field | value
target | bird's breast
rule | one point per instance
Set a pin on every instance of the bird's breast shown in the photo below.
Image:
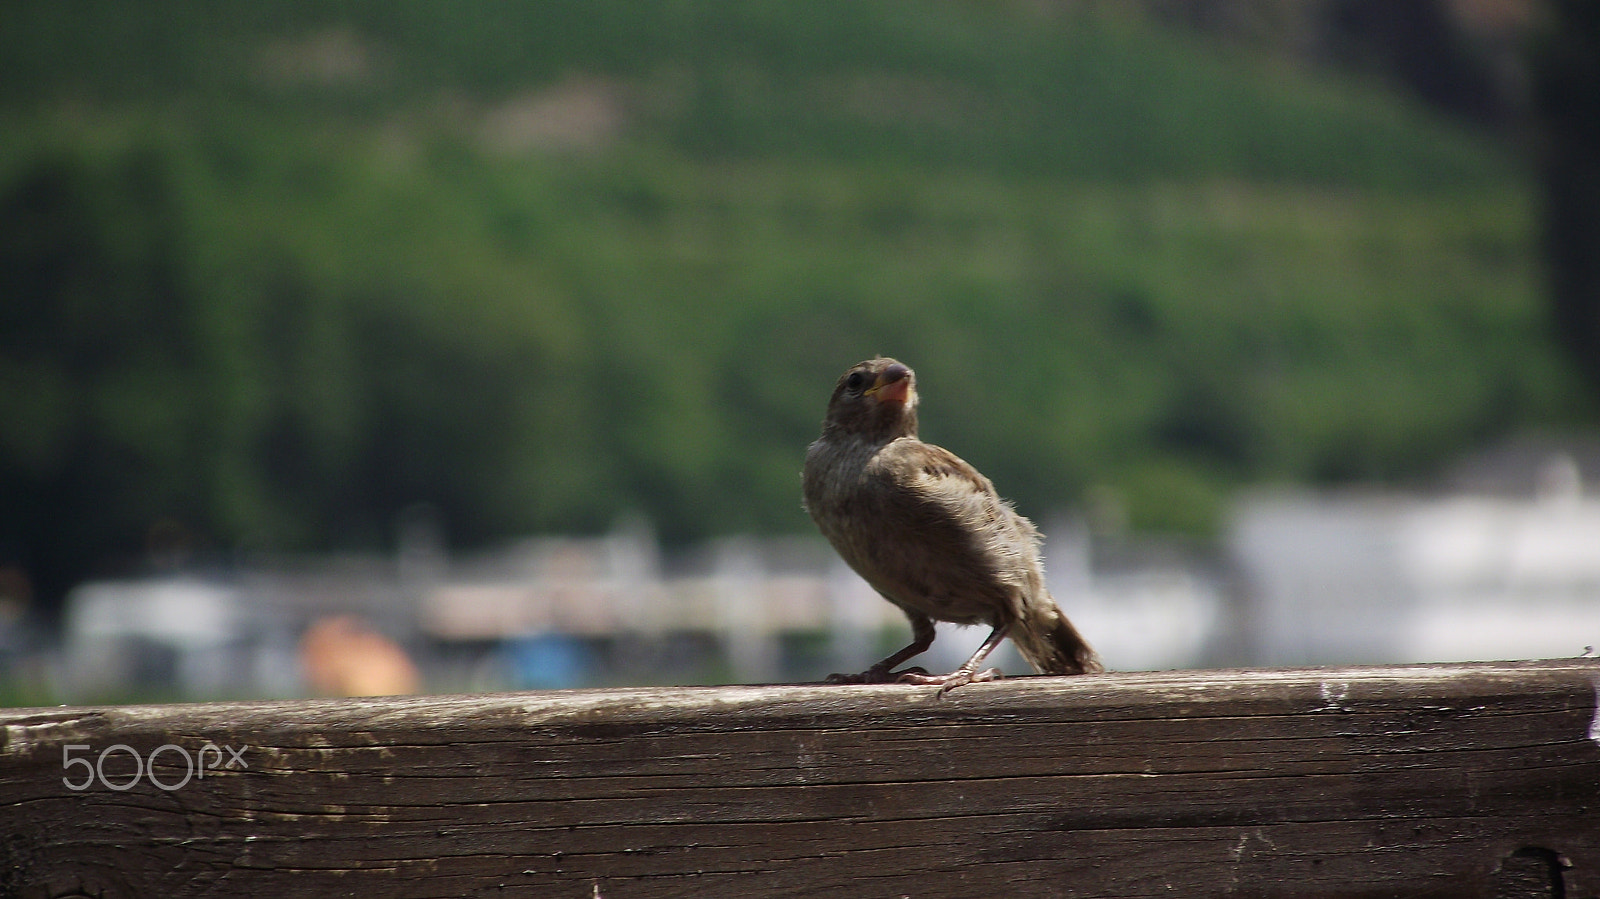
(837, 495)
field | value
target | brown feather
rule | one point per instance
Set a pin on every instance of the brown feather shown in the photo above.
(925, 528)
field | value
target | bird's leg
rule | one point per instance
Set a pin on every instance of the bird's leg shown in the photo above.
(968, 673)
(883, 673)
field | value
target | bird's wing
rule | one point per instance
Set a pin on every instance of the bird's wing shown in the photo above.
(938, 489)
(944, 543)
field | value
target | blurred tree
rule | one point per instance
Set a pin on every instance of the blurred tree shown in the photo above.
(1422, 45)
(96, 341)
(1566, 67)
(243, 310)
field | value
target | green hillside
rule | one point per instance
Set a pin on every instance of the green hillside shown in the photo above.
(279, 270)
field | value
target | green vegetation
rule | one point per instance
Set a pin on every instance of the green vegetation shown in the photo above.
(276, 271)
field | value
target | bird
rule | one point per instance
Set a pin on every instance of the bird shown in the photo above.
(930, 534)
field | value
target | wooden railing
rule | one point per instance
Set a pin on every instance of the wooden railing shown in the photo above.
(1478, 780)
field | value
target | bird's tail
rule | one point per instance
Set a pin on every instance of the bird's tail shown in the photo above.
(1051, 644)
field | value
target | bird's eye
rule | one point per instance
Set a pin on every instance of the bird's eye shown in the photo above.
(854, 382)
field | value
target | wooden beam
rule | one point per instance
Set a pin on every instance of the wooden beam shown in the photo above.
(1478, 780)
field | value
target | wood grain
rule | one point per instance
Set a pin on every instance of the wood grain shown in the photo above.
(1465, 781)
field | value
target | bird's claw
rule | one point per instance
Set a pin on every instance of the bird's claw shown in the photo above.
(878, 675)
(947, 682)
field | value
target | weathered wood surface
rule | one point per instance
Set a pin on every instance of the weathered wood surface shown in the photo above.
(1448, 781)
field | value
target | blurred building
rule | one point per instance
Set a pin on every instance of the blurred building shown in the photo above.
(243, 635)
(1506, 566)
(568, 611)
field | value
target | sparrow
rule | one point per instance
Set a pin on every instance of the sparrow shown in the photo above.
(928, 532)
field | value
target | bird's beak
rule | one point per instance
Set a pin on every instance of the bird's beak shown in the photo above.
(892, 386)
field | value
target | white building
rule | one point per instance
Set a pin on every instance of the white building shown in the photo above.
(1390, 578)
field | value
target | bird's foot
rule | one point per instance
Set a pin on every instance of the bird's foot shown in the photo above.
(947, 682)
(878, 675)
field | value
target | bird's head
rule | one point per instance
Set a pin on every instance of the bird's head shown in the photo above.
(875, 400)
